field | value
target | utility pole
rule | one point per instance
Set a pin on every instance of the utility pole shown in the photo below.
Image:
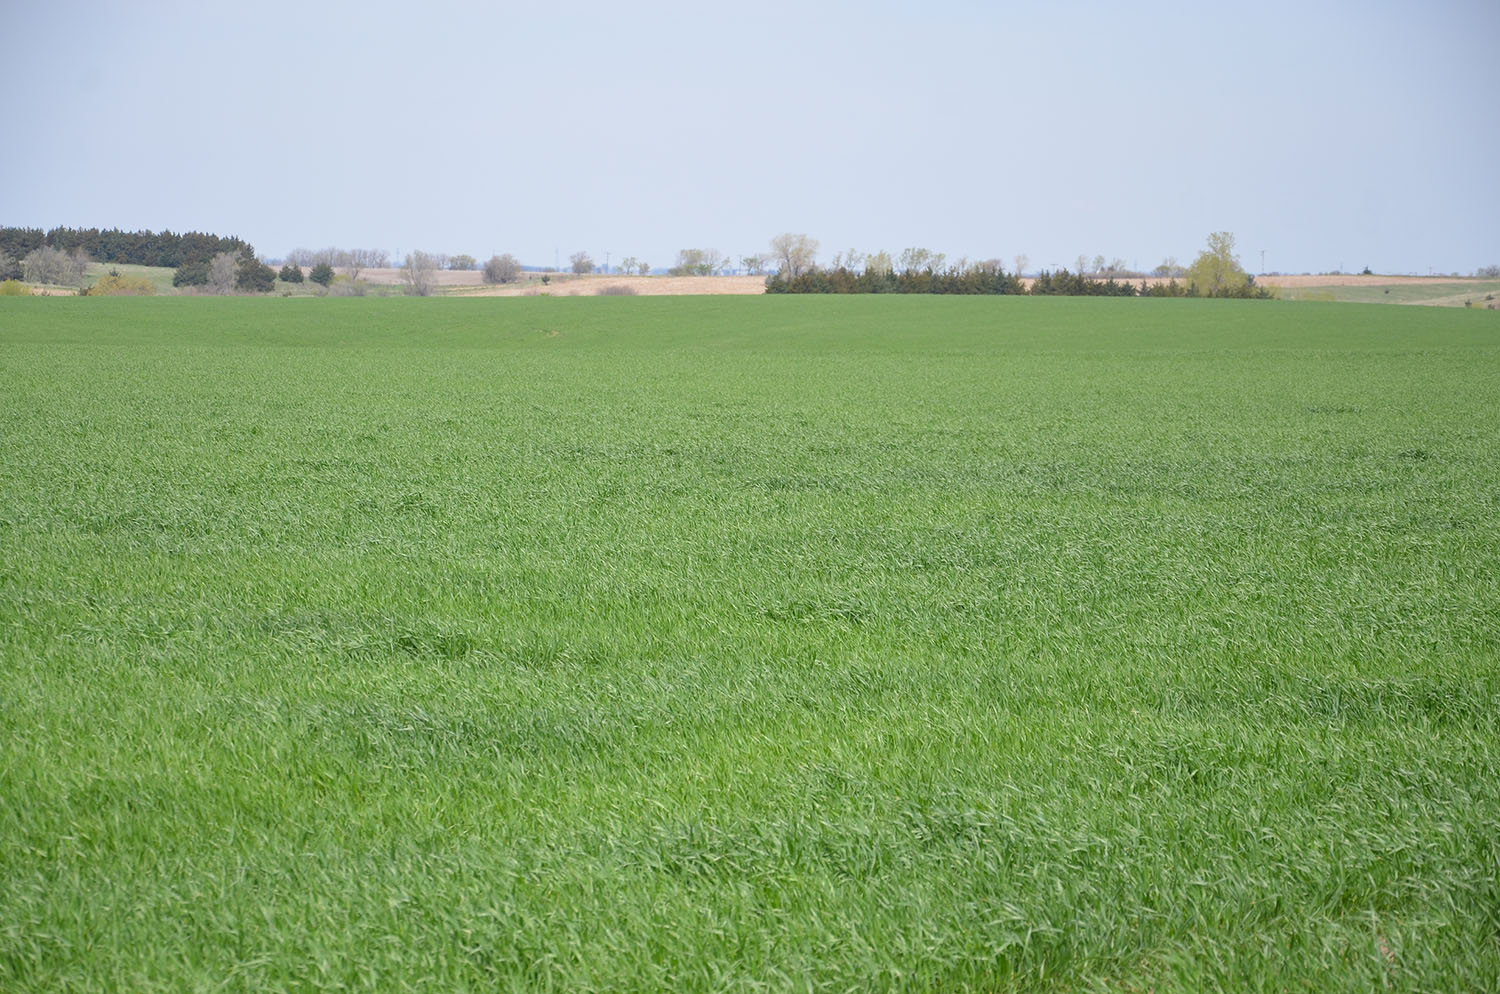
(1263, 262)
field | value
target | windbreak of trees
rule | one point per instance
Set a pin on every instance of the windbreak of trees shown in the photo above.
(973, 280)
(137, 248)
(977, 281)
(1065, 284)
(1215, 273)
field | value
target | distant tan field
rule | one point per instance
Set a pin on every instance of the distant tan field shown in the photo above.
(1299, 282)
(443, 277)
(1441, 291)
(470, 283)
(645, 286)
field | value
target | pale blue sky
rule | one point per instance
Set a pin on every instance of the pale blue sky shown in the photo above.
(1328, 134)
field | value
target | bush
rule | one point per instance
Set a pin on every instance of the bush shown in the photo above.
(115, 285)
(322, 274)
(14, 288)
(617, 291)
(502, 269)
(463, 262)
(290, 274)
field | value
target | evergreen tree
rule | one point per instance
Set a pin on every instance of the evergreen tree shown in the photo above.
(194, 272)
(252, 275)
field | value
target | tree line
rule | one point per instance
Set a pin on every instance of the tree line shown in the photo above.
(136, 248)
(1215, 273)
(971, 280)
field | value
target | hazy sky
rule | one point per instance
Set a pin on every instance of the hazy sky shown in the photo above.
(1326, 134)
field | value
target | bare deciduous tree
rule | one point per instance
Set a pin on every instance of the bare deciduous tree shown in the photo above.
(221, 273)
(852, 260)
(352, 261)
(355, 260)
(582, 262)
(794, 254)
(54, 266)
(1020, 261)
(419, 273)
(502, 269)
(697, 262)
(914, 260)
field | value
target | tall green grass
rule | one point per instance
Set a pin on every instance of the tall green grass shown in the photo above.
(748, 644)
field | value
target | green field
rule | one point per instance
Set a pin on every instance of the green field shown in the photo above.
(748, 644)
(1475, 293)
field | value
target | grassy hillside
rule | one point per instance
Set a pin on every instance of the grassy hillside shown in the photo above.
(160, 277)
(741, 644)
(1473, 293)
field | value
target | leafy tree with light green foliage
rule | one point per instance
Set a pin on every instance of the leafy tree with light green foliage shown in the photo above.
(1217, 271)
